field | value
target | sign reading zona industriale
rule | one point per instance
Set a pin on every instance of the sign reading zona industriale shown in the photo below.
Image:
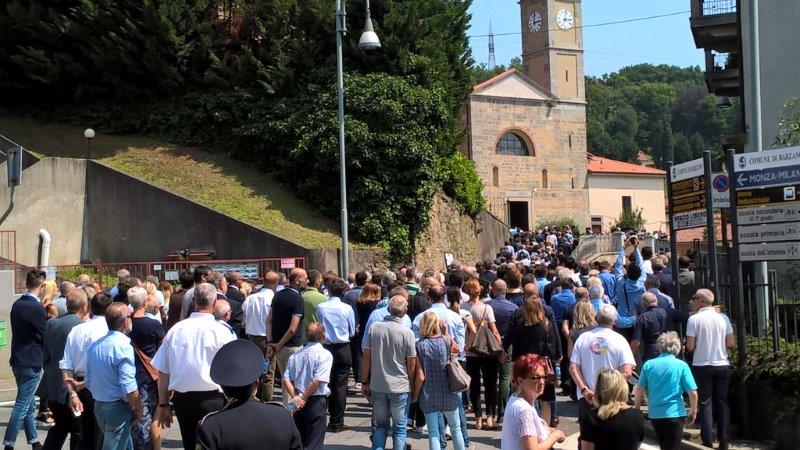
(767, 196)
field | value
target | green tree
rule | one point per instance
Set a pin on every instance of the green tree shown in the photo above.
(789, 124)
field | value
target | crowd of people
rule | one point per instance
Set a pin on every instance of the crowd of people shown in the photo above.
(470, 347)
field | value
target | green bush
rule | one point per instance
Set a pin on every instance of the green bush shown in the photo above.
(780, 370)
(462, 183)
(630, 219)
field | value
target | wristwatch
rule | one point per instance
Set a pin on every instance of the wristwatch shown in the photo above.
(166, 405)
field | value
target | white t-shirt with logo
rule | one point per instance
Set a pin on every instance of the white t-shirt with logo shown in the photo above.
(709, 328)
(521, 420)
(599, 349)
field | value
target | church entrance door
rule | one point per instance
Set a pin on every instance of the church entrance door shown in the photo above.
(518, 215)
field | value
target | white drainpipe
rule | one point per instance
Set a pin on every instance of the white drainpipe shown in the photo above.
(44, 248)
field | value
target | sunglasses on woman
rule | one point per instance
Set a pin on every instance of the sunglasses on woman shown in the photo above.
(536, 377)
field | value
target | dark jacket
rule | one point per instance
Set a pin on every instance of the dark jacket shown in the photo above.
(28, 321)
(55, 338)
(541, 339)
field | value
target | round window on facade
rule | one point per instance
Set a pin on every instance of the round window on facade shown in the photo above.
(512, 144)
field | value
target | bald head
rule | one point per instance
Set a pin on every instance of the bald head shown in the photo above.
(77, 301)
(315, 332)
(83, 280)
(222, 310)
(499, 288)
(298, 278)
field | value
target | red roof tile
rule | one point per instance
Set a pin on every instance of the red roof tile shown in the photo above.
(598, 164)
(497, 77)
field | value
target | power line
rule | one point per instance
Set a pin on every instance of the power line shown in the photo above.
(603, 24)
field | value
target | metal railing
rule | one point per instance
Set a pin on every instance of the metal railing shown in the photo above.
(106, 273)
(715, 7)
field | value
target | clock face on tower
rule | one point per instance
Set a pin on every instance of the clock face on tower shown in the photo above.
(564, 19)
(535, 22)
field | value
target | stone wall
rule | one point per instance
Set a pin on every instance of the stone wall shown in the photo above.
(449, 231)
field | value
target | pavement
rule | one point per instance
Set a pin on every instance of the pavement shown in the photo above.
(358, 420)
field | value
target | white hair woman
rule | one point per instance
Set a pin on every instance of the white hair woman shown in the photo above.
(663, 380)
(614, 425)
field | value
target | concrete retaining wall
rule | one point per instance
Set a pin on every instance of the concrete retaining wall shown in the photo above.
(130, 220)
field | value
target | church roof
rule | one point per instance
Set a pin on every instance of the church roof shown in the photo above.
(598, 164)
(513, 83)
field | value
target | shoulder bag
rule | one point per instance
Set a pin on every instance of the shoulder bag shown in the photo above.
(485, 344)
(457, 378)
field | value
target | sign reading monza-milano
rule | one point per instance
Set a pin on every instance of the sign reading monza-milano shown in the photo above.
(767, 168)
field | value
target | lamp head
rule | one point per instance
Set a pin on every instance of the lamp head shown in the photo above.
(723, 102)
(369, 39)
(88, 133)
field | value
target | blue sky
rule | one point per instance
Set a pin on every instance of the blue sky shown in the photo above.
(666, 40)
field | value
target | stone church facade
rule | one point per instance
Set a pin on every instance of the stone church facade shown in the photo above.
(527, 132)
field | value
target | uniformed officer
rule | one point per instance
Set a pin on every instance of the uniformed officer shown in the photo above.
(245, 423)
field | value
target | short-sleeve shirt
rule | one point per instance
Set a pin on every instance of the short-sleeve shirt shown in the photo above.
(310, 363)
(623, 431)
(599, 349)
(287, 304)
(391, 344)
(666, 378)
(709, 328)
(521, 420)
(433, 356)
(480, 311)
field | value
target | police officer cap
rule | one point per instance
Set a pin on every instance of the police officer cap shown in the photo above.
(237, 363)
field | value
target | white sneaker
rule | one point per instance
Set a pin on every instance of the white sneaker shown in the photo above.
(447, 432)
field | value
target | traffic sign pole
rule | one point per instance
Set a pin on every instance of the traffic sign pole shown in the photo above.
(673, 235)
(737, 293)
(711, 246)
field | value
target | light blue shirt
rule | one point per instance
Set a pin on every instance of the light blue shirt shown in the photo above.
(454, 323)
(310, 363)
(377, 316)
(338, 319)
(110, 370)
(629, 292)
(541, 283)
(666, 378)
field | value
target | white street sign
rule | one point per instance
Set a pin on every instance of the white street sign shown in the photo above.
(770, 232)
(767, 159)
(769, 252)
(689, 219)
(684, 171)
(768, 214)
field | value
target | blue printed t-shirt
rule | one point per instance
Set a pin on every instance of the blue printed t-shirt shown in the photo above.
(666, 378)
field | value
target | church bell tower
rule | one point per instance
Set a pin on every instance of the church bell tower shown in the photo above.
(552, 46)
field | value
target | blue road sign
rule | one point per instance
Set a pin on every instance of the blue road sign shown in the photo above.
(773, 176)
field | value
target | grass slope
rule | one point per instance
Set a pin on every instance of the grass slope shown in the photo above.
(213, 180)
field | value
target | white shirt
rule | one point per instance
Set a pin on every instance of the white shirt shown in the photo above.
(647, 266)
(154, 316)
(187, 351)
(187, 302)
(521, 420)
(79, 339)
(709, 328)
(256, 308)
(599, 349)
(310, 363)
(338, 319)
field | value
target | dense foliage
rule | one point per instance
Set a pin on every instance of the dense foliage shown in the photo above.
(630, 220)
(789, 125)
(257, 80)
(780, 370)
(663, 110)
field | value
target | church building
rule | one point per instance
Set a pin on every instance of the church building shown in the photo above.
(527, 131)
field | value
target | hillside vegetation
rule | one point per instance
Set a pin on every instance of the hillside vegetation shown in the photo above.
(210, 179)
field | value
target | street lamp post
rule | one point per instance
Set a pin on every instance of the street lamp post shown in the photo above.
(89, 135)
(369, 40)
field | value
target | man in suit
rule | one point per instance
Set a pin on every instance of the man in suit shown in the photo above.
(233, 279)
(28, 321)
(237, 314)
(55, 339)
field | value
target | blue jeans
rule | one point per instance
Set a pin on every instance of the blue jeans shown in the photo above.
(384, 407)
(114, 421)
(462, 416)
(435, 422)
(23, 413)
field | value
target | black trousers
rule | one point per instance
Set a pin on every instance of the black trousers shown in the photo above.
(340, 373)
(355, 350)
(65, 424)
(310, 422)
(90, 436)
(483, 367)
(190, 407)
(712, 390)
(669, 432)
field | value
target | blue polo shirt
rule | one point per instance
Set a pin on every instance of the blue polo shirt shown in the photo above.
(666, 378)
